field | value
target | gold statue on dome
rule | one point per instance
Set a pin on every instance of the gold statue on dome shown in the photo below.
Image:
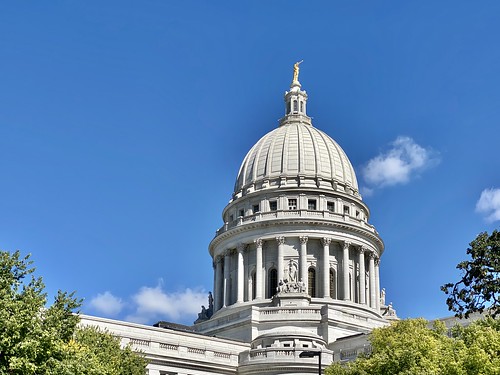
(296, 71)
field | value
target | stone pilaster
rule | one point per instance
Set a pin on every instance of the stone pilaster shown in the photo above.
(345, 271)
(371, 274)
(241, 272)
(303, 260)
(326, 266)
(218, 284)
(362, 275)
(281, 249)
(227, 265)
(258, 269)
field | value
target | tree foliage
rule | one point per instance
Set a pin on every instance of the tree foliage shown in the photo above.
(38, 340)
(479, 287)
(94, 352)
(411, 347)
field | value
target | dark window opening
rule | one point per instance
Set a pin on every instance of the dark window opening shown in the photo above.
(242, 212)
(295, 108)
(330, 206)
(311, 204)
(273, 205)
(333, 288)
(254, 285)
(346, 210)
(311, 280)
(273, 282)
(256, 208)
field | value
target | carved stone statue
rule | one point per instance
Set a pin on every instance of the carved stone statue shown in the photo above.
(296, 71)
(302, 286)
(292, 272)
(382, 297)
(210, 300)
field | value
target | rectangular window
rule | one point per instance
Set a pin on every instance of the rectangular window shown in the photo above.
(346, 210)
(311, 204)
(256, 208)
(242, 212)
(292, 204)
(357, 214)
(231, 218)
(273, 205)
(330, 206)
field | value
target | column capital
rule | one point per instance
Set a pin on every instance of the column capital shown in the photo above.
(372, 255)
(303, 239)
(241, 247)
(280, 240)
(326, 241)
(377, 261)
(347, 244)
(258, 242)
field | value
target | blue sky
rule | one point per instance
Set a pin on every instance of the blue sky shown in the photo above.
(123, 125)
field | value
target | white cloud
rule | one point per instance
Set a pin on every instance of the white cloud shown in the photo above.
(155, 303)
(399, 164)
(489, 204)
(107, 304)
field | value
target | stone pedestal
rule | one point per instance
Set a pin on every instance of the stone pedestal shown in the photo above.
(291, 299)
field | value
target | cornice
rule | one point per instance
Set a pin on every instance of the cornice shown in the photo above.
(310, 223)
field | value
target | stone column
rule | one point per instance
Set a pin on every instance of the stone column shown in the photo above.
(226, 291)
(362, 280)
(281, 249)
(373, 295)
(303, 261)
(218, 284)
(258, 269)
(377, 283)
(345, 271)
(241, 272)
(326, 266)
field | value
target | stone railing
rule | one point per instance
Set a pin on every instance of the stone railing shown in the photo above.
(301, 313)
(313, 214)
(156, 348)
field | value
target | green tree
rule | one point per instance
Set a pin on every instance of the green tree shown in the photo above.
(94, 352)
(38, 340)
(411, 347)
(479, 287)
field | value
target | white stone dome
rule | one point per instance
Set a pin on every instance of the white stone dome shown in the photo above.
(295, 150)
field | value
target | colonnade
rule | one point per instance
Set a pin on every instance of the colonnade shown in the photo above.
(223, 265)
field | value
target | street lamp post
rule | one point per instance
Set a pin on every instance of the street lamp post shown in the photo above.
(311, 354)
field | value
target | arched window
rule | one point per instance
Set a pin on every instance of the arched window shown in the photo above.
(295, 106)
(272, 282)
(253, 286)
(311, 281)
(333, 284)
